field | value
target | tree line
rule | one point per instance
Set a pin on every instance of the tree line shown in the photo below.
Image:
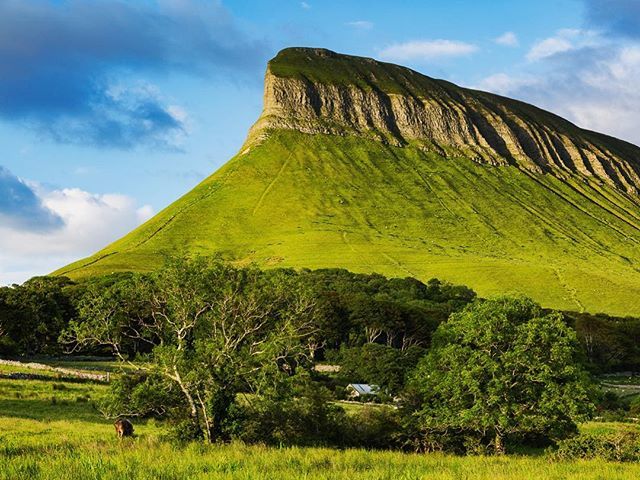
(354, 311)
(223, 352)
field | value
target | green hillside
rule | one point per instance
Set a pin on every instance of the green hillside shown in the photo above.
(316, 199)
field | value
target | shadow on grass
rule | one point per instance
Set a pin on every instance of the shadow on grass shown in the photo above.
(50, 410)
(12, 451)
(49, 378)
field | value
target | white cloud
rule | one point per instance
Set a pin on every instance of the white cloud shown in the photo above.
(305, 5)
(90, 222)
(607, 97)
(427, 50)
(548, 47)
(594, 86)
(563, 41)
(505, 84)
(361, 24)
(507, 39)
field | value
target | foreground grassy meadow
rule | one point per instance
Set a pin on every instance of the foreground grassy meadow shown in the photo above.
(50, 428)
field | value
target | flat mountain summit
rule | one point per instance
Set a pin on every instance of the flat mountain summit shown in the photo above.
(374, 167)
(320, 91)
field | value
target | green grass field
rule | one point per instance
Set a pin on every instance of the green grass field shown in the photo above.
(317, 201)
(50, 429)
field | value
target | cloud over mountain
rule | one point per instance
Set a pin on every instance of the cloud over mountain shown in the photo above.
(587, 76)
(421, 50)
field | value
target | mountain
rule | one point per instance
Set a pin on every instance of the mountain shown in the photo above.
(370, 166)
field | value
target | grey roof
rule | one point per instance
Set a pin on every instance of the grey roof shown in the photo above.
(364, 389)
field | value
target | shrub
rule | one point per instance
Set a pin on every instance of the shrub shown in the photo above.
(139, 394)
(8, 347)
(373, 427)
(309, 419)
(634, 407)
(620, 447)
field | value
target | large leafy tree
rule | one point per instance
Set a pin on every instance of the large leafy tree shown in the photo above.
(500, 369)
(215, 331)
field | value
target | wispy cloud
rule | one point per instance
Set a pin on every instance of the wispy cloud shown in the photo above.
(305, 5)
(427, 50)
(360, 24)
(506, 84)
(507, 39)
(548, 47)
(593, 83)
(59, 62)
(563, 41)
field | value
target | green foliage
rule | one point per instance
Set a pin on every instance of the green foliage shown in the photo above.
(401, 312)
(32, 315)
(374, 427)
(610, 343)
(619, 447)
(634, 407)
(305, 416)
(502, 369)
(380, 365)
(214, 331)
(118, 309)
(142, 395)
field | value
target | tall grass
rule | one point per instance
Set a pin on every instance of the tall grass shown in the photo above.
(46, 432)
(148, 458)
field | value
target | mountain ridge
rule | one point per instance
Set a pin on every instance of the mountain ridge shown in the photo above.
(327, 179)
(398, 105)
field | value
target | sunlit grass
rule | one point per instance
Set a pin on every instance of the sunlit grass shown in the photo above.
(324, 201)
(47, 433)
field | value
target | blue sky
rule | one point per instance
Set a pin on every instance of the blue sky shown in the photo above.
(110, 110)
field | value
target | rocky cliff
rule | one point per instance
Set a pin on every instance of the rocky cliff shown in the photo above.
(319, 91)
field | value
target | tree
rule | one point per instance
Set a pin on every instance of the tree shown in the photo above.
(502, 369)
(33, 314)
(115, 313)
(611, 343)
(378, 364)
(216, 331)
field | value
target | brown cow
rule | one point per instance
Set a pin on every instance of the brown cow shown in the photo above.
(124, 428)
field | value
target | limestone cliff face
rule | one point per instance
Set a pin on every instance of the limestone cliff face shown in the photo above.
(318, 91)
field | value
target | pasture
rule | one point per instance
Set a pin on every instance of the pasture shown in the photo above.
(50, 428)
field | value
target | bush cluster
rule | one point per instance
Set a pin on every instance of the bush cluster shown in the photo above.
(619, 447)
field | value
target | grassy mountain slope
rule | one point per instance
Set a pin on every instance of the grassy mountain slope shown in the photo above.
(304, 195)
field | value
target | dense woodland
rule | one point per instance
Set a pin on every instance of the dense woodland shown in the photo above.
(358, 311)
(221, 352)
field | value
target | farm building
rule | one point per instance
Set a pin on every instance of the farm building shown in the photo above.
(359, 390)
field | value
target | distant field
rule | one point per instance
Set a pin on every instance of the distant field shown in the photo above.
(50, 430)
(323, 201)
